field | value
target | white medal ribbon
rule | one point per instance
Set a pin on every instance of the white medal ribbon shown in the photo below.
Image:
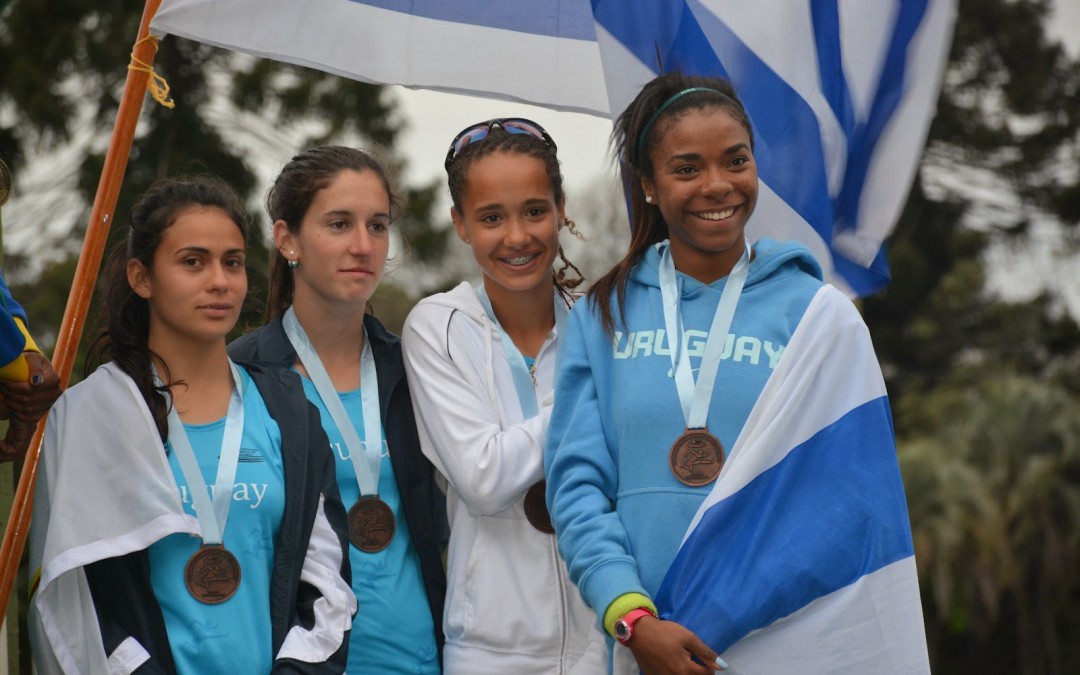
(523, 381)
(366, 456)
(695, 398)
(212, 519)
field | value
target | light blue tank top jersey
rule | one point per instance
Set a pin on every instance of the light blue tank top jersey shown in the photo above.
(233, 637)
(393, 631)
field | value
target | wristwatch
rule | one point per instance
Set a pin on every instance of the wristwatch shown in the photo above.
(624, 627)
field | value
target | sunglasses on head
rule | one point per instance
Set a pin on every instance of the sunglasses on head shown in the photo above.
(480, 131)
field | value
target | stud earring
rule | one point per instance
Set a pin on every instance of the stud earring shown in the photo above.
(467, 241)
(293, 264)
(648, 199)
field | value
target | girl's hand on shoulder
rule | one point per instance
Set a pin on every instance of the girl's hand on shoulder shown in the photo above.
(667, 648)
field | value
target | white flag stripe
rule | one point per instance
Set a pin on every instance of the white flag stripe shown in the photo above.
(774, 218)
(865, 29)
(892, 168)
(624, 72)
(845, 625)
(774, 428)
(372, 44)
(794, 59)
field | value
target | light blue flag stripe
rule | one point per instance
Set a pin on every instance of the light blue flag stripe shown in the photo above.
(567, 19)
(830, 512)
(826, 17)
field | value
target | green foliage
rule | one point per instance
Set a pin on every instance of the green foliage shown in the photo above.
(994, 494)
(391, 304)
(1010, 100)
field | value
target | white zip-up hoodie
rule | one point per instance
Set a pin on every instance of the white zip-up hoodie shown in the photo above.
(510, 607)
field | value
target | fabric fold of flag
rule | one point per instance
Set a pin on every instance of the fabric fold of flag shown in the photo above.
(72, 528)
(801, 559)
(840, 95)
(542, 52)
(840, 92)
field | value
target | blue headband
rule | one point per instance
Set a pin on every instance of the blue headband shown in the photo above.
(659, 111)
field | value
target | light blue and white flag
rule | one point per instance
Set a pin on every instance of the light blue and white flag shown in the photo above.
(840, 92)
(801, 559)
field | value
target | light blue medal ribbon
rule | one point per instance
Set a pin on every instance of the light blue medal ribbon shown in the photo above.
(212, 517)
(523, 380)
(535, 508)
(695, 398)
(366, 456)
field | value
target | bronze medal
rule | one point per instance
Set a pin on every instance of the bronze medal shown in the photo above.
(212, 574)
(536, 508)
(5, 182)
(696, 457)
(371, 524)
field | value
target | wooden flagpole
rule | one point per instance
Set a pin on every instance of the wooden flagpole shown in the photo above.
(82, 290)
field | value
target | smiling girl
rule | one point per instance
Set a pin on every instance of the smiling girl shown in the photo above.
(191, 559)
(482, 363)
(660, 371)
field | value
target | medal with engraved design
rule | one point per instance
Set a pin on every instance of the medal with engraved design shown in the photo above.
(371, 524)
(212, 575)
(696, 457)
(536, 510)
(371, 520)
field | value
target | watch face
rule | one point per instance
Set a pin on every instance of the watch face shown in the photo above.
(622, 631)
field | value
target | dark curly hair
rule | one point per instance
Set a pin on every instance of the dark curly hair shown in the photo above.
(499, 140)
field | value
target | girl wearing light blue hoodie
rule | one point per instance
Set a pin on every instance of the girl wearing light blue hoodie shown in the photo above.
(643, 422)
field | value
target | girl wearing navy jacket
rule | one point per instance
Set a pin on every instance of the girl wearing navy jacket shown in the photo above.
(332, 209)
(215, 541)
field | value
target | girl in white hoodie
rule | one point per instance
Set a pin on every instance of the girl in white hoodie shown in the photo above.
(481, 361)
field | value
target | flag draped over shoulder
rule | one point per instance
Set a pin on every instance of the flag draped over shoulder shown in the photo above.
(840, 92)
(801, 559)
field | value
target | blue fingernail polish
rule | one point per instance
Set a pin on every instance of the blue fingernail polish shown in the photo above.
(721, 663)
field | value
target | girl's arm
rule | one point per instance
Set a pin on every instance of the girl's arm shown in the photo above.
(582, 474)
(490, 467)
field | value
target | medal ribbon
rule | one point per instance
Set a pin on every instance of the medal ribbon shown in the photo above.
(211, 518)
(523, 381)
(695, 398)
(366, 456)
